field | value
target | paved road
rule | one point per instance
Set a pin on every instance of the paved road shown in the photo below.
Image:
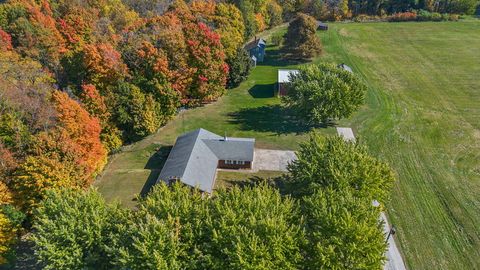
(394, 258)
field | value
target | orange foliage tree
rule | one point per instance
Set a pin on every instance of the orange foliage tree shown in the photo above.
(81, 131)
(5, 41)
(96, 106)
(206, 55)
(103, 64)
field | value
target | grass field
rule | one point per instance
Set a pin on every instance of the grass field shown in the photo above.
(422, 115)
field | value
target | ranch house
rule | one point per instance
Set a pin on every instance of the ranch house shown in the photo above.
(196, 155)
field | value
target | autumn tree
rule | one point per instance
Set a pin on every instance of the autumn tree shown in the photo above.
(331, 162)
(229, 25)
(34, 32)
(81, 131)
(207, 57)
(103, 64)
(137, 114)
(323, 92)
(5, 41)
(301, 41)
(7, 236)
(95, 105)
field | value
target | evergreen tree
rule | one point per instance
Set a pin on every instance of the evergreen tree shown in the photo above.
(239, 68)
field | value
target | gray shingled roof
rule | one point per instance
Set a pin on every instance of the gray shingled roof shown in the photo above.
(194, 157)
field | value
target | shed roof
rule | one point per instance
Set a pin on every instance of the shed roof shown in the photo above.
(194, 157)
(345, 67)
(319, 23)
(346, 133)
(284, 75)
(255, 43)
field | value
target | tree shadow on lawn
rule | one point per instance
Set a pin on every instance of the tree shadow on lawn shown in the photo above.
(155, 164)
(277, 58)
(273, 118)
(262, 91)
(280, 182)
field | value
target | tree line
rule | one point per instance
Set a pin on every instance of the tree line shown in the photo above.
(321, 218)
(78, 79)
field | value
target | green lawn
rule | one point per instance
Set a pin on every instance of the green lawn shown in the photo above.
(422, 115)
(251, 110)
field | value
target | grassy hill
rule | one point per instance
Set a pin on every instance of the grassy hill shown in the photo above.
(422, 115)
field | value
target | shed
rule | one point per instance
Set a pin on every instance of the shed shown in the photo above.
(283, 79)
(322, 26)
(345, 67)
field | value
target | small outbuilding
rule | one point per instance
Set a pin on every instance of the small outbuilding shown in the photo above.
(345, 67)
(322, 26)
(256, 48)
(254, 61)
(284, 78)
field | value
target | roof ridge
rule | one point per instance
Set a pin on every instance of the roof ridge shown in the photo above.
(195, 144)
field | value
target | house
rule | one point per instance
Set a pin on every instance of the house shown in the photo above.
(256, 48)
(345, 67)
(322, 26)
(196, 155)
(283, 79)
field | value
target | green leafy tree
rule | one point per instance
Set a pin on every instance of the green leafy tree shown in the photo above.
(70, 229)
(322, 92)
(344, 232)
(331, 162)
(254, 228)
(239, 68)
(137, 114)
(167, 232)
(301, 41)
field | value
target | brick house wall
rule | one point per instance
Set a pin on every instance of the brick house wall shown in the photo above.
(223, 165)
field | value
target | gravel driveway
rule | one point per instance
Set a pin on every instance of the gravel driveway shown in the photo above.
(272, 160)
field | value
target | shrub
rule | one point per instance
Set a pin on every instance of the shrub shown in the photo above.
(277, 39)
(403, 17)
(453, 17)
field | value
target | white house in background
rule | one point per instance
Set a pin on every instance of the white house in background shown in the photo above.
(284, 78)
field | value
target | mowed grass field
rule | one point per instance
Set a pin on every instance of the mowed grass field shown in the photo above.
(422, 116)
